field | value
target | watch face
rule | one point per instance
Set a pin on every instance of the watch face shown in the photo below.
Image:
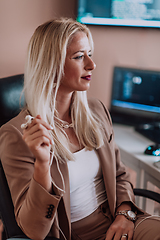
(131, 214)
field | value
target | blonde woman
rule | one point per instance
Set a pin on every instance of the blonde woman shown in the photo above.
(59, 155)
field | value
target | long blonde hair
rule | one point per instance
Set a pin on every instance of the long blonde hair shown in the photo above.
(43, 73)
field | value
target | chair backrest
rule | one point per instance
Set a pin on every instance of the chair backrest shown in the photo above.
(10, 97)
(7, 209)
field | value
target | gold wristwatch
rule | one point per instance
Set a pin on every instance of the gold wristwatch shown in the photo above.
(130, 215)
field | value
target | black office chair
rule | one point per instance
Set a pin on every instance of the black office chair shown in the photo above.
(11, 101)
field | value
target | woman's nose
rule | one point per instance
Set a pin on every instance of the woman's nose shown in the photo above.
(94, 65)
(90, 64)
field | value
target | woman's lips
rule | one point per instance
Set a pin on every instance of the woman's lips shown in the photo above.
(88, 77)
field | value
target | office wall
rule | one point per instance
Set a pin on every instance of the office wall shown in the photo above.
(18, 20)
(123, 46)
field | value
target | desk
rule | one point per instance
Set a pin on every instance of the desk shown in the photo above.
(132, 146)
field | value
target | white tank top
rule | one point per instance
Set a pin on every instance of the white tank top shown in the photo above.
(87, 189)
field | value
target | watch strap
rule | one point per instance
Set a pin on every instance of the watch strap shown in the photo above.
(125, 213)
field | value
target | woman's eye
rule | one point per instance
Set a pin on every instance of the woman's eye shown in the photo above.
(79, 57)
(82, 56)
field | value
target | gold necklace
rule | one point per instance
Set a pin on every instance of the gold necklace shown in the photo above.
(65, 124)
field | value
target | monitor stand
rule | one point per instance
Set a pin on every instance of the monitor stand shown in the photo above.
(152, 132)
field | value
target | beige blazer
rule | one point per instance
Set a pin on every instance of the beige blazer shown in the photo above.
(39, 213)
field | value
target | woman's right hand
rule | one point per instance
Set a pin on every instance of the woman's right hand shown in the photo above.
(37, 137)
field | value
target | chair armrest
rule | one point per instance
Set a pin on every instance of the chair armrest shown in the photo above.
(147, 193)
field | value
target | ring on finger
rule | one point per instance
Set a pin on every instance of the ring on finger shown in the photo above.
(125, 235)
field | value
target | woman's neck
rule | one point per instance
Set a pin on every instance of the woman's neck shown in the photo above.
(63, 108)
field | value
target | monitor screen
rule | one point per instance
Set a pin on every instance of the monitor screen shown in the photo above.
(136, 92)
(136, 13)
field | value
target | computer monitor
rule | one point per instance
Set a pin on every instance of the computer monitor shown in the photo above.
(135, 95)
(135, 13)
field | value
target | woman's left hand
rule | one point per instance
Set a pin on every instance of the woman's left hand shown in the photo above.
(120, 226)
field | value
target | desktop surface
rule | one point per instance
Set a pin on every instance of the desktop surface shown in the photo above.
(132, 146)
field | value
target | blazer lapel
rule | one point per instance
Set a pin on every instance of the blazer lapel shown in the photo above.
(107, 155)
(60, 177)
